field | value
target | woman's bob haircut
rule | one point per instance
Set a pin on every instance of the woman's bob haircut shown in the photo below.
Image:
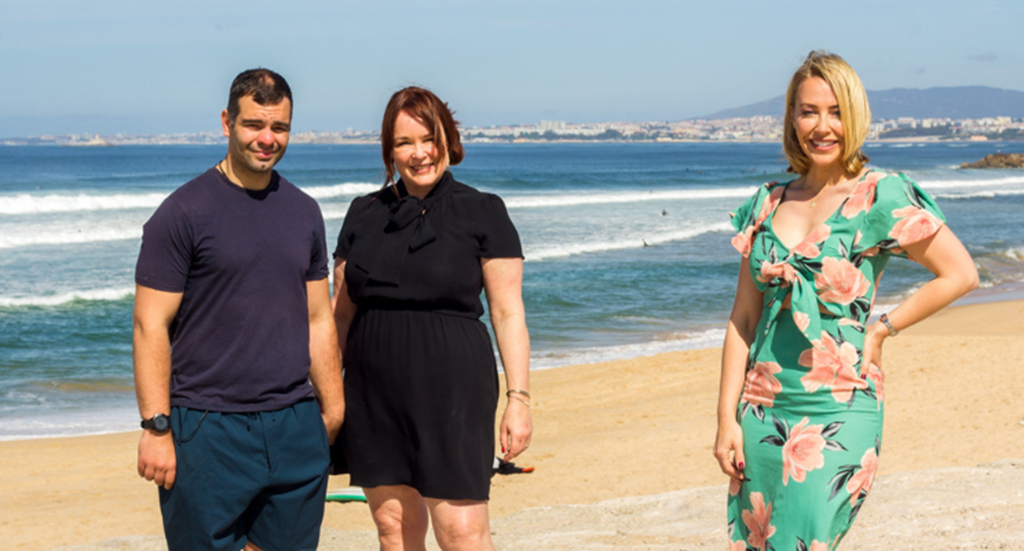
(422, 105)
(854, 111)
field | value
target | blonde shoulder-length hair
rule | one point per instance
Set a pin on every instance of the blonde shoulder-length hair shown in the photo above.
(853, 110)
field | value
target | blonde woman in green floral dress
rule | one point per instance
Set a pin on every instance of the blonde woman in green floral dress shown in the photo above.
(801, 400)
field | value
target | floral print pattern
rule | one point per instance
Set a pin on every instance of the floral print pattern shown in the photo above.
(863, 195)
(762, 386)
(876, 376)
(864, 478)
(832, 366)
(915, 224)
(802, 452)
(758, 522)
(840, 281)
(812, 423)
(783, 271)
(809, 246)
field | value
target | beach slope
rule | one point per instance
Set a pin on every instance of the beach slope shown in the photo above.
(623, 457)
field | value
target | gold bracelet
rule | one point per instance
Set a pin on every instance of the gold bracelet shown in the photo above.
(523, 400)
(523, 392)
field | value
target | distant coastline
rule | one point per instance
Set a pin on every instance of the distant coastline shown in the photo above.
(758, 129)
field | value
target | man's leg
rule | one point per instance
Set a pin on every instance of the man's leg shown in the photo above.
(287, 514)
(221, 468)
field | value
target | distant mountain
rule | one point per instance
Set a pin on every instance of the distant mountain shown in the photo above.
(775, 107)
(953, 102)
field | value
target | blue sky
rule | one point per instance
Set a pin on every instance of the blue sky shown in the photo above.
(159, 67)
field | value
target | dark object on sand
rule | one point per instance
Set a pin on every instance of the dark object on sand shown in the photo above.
(507, 467)
(998, 160)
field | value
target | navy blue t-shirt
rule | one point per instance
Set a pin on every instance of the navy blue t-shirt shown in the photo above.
(240, 340)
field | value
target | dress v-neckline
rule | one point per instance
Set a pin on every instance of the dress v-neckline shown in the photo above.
(771, 217)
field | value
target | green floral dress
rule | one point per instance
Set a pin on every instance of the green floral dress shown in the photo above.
(812, 426)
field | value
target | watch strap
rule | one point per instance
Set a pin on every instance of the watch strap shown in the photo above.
(158, 423)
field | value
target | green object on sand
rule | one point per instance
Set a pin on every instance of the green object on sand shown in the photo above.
(346, 494)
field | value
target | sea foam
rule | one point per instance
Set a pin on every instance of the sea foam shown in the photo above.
(32, 204)
(111, 294)
(971, 183)
(980, 194)
(347, 189)
(680, 341)
(28, 239)
(635, 242)
(569, 199)
(25, 203)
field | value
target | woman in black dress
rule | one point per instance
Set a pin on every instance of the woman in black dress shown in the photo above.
(421, 385)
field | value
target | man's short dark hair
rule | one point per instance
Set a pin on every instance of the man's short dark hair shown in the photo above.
(265, 86)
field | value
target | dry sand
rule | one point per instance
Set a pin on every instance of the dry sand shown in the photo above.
(622, 451)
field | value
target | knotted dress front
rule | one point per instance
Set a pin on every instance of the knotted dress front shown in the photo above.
(812, 426)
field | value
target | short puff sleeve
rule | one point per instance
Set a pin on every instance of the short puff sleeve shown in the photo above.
(355, 208)
(903, 214)
(743, 216)
(498, 237)
(748, 218)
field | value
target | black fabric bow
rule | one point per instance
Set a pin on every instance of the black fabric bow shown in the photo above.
(408, 230)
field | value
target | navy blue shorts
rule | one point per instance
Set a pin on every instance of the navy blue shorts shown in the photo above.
(241, 477)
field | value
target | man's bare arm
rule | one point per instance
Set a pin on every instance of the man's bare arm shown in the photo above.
(325, 361)
(151, 355)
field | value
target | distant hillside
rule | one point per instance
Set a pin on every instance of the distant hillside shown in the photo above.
(953, 102)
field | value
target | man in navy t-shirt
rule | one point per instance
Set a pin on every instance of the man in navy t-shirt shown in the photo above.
(237, 371)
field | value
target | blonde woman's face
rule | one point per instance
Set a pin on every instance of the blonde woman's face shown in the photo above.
(819, 128)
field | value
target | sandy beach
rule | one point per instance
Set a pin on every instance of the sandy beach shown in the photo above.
(623, 460)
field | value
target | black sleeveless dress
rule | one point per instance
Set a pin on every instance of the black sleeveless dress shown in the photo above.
(421, 384)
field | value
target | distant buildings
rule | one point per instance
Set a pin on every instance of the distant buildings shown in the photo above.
(197, 138)
(750, 129)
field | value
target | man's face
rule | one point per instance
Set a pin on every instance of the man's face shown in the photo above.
(258, 137)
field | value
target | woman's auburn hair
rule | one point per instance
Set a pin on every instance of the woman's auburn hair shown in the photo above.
(424, 106)
(854, 111)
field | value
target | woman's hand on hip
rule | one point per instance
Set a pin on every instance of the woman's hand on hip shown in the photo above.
(873, 339)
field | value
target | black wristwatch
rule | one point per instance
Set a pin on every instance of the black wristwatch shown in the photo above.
(159, 423)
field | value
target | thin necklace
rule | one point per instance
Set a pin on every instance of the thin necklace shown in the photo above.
(224, 174)
(814, 200)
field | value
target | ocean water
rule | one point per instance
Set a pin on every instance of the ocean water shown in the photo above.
(627, 248)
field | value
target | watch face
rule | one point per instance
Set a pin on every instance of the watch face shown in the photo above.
(161, 423)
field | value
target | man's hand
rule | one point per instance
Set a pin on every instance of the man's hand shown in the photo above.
(157, 460)
(333, 420)
(325, 358)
